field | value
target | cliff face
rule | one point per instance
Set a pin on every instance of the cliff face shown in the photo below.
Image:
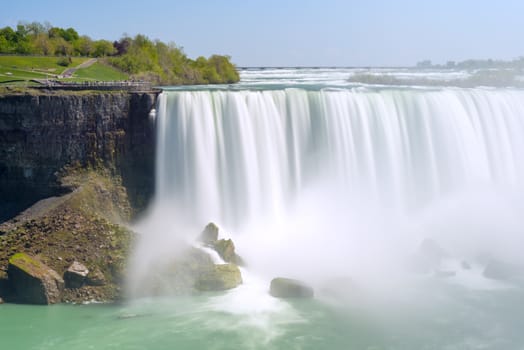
(40, 134)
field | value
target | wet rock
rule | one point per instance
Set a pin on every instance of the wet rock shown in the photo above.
(95, 277)
(33, 281)
(210, 234)
(290, 288)
(226, 249)
(498, 270)
(75, 275)
(221, 277)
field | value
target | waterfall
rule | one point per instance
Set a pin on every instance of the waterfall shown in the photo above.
(232, 156)
(312, 183)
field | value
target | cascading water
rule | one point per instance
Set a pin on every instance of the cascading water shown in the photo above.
(234, 156)
(338, 185)
(286, 167)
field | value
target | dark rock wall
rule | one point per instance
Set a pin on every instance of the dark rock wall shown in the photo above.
(40, 134)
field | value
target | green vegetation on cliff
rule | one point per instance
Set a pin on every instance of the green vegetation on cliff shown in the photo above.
(139, 58)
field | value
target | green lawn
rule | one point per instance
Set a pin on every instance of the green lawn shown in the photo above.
(8, 74)
(100, 72)
(44, 64)
(24, 68)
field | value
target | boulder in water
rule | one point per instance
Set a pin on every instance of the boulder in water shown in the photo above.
(33, 281)
(226, 249)
(498, 270)
(75, 275)
(289, 288)
(210, 234)
(221, 277)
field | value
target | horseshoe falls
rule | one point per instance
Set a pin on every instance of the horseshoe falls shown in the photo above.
(236, 156)
(362, 172)
(392, 202)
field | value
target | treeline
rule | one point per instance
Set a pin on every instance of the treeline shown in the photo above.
(138, 56)
(517, 63)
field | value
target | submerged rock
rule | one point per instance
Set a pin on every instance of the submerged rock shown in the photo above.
(221, 277)
(289, 288)
(33, 281)
(210, 234)
(75, 275)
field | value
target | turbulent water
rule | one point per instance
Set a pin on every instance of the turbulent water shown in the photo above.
(335, 183)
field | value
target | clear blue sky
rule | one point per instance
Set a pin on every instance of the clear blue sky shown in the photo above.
(299, 32)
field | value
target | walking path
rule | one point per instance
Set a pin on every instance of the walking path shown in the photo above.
(69, 72)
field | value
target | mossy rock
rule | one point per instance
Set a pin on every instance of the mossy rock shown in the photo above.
(226, 249)
(289, 288)
(33, 281)
(221, 277)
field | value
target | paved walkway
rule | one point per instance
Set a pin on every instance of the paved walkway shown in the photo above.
(69, 72)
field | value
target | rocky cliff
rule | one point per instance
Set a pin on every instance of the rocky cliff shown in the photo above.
(41, 133)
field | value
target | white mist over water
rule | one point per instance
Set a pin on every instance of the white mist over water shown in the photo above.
(330, 184)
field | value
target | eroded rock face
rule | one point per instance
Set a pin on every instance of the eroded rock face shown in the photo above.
(33, 281)
(39, 134)
(290, 288)
(75, 275)
(221, 277)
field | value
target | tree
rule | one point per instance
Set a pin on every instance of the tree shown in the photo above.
(70, 35)
(42, 45)
(122, 46)
(103, 48)
(84, 46)
(62, 47)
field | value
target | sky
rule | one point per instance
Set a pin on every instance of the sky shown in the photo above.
(298, 32)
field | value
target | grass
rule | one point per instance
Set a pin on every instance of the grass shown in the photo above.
(43, 63)
(10, 74)
(17, 69)
(99, 72)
